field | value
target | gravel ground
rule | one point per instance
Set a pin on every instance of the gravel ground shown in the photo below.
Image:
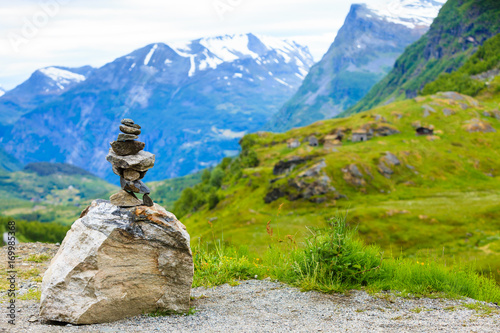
(266, 306)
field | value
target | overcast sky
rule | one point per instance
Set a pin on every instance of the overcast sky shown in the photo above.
(39, 33)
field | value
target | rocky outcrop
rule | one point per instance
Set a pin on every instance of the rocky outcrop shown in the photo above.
(285, 166)
(309, 184)
(386, 162)
(478, 125)
(118, 262)
(353, 176)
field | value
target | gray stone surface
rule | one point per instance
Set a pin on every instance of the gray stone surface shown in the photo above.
(130, 130)
(124, 148)
(131, 175)
(147, 200)
(130, 122)
(136, 186)
(268, 306)
(125, 199)
(142, 161)
(126, 137)
(116, 263)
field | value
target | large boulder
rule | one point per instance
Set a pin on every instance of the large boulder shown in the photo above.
(118, 262)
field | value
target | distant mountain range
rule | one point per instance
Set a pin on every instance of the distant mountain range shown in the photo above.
(194, 101)
(363, 52)
(43, 85)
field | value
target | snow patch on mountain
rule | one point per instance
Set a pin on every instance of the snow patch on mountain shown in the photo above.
(62, 78)
(410, 13)
(230, 48)
(150, 54)
(2, 92)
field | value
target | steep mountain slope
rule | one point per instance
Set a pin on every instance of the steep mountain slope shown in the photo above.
(43, 85)
(194, 102)
(475, 76)
(363, 52)
(403, 191)
(461, 26)
(9, 162)
(49, 192)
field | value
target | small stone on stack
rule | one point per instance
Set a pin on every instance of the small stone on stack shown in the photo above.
(131, 163)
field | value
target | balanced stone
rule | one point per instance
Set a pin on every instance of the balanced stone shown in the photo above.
(147, 200)
(125, 199)
(136, 186)
(116, 263)
(141, 161)
(129, 130)
(117, 171)
(124, 148)
(126, 137)
(131, 175)
(130, 122)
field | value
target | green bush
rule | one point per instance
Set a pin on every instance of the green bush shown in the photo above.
(34, 231)
(212, 200)
(334, 256)
(216, 177)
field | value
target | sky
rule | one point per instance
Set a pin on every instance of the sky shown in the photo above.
(74, 33)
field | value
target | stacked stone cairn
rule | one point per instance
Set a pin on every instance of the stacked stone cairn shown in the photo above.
(130, 162)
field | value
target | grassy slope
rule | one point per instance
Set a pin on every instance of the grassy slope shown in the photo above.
(448, 202)
(166, 192)
(50, 198)
(444, 48)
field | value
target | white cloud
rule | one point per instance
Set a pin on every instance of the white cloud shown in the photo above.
(92, 32)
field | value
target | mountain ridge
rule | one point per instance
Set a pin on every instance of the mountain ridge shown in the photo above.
(461, 26)
(363, 52)
(193, 107)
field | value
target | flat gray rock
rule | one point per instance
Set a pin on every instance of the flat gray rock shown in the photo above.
(125, 199)
(126, 137)
(130, 130)
(124, 148)
(131, 175)
(142, 161)
(130, 122)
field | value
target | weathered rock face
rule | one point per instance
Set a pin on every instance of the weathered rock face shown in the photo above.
(118, 262)
(142, 161)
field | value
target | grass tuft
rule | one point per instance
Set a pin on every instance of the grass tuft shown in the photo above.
(334, 259)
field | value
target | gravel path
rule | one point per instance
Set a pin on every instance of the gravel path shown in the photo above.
(265, 306)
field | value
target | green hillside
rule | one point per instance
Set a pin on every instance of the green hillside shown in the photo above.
(475, 76)
(404, 192)
(460, 28)
(167, 191)
(49, 192)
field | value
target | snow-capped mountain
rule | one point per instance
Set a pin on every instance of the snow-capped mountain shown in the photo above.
(43, 85)
(2, 91)
(410, 13)
(59, 78)
(194, 102)
(363, 52)
(208, 53)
